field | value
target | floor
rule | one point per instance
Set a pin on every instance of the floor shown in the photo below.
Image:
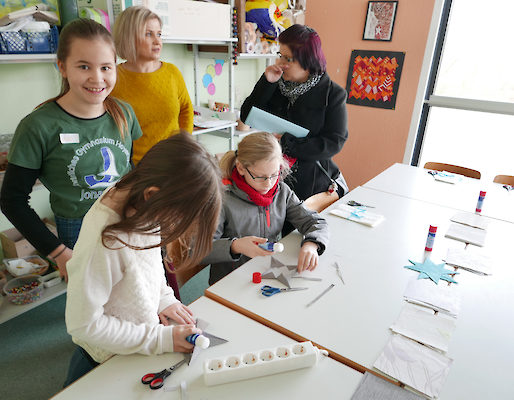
(35, 347)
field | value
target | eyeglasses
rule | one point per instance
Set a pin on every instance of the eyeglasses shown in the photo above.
(284, 58)
(263, 178)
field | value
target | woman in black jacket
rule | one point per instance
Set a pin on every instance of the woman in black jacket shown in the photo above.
(297, 88)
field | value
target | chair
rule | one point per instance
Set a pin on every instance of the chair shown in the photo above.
(319, 201)
(504, 179)
(456, 169)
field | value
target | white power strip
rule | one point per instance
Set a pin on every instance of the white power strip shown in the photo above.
(260, 363)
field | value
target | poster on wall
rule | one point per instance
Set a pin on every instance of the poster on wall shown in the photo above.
(374, 78)
(380, 20)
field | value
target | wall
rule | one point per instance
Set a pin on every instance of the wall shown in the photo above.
(377, 137)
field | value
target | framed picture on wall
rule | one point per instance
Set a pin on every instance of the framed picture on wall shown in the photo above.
(380, 20)
(374, 78)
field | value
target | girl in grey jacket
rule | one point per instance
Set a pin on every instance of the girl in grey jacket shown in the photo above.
(255, 206)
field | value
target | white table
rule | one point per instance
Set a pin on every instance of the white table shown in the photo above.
(120, 377)
(416, 183)
(352, 320)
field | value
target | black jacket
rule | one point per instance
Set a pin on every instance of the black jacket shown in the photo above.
(322, 110)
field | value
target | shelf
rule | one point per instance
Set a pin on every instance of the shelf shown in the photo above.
(199, 131)
(249, 56)
(205, 41)
(27, 58)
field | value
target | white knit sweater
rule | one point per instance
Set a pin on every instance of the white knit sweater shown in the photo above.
(114, 296)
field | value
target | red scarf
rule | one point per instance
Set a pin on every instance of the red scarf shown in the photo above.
(262, 200)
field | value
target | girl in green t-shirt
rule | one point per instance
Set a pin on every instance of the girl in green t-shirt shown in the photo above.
(77, 144)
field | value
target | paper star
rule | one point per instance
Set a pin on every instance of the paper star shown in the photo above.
(279, 271)
(428, 269)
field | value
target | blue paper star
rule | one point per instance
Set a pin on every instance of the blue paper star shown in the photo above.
(428, 269)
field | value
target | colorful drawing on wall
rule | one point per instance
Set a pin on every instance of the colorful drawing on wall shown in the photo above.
(210, 72)
(380, 20)
(374, 78)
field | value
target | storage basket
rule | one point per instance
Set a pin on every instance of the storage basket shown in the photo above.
(29, 42)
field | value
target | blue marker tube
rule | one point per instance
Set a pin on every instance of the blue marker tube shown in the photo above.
(199, 340)
(272, 246)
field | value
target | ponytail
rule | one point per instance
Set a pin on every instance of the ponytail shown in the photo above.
(227, 164)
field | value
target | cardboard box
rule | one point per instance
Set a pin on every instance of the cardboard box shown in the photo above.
(14, 245)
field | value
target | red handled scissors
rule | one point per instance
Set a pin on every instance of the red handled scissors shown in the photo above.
(156, 380)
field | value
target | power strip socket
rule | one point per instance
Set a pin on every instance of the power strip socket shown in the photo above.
(260, 363)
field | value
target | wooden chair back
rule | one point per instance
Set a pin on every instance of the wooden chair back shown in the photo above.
(504, 179)
(319, 201)
(456, 169)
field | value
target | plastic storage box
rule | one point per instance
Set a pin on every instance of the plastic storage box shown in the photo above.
(29, 42)
(24, 290)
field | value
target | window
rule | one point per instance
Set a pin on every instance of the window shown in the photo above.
(468, 113)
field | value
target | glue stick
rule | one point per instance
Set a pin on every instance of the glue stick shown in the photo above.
(199, 340)
(271, 246)
(430, 238)
(480, 202)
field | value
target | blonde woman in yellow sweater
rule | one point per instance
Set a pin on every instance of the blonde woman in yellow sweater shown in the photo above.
(155, 89)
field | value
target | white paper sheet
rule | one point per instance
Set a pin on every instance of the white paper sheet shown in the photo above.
(415, 365)
(265, 121)
(471, 219)
(358, 214)
(425, 325)
(466, 234)
(447, 177)
(470, 261)
(441, 297)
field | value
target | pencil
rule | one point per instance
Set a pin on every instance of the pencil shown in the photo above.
(320, 295)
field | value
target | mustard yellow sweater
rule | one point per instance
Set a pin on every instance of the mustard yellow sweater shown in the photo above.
(161, 103)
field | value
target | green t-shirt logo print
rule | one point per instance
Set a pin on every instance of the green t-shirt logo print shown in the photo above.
(109, 173)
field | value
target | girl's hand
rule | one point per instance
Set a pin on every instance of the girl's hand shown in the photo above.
(308, 258)
(273, 73)
(180, 332)
(61, 260)
(177, 312)
(248, 246)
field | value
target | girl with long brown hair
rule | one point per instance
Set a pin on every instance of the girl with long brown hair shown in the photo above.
(117, 292)
(76, 144)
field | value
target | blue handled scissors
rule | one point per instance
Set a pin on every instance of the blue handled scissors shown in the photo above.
(156, 379)
(268, 291)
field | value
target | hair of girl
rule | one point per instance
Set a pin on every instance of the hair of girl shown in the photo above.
(84, 28)
(187, 204)
(252, 149)
(129, 30)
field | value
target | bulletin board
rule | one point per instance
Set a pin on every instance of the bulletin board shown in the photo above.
(191, 19)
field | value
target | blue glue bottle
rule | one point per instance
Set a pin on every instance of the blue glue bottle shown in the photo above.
(198, 340)
(272, 246)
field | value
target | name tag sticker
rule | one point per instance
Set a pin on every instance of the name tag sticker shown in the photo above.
(67, 138)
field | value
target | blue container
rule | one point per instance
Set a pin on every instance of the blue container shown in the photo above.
(29, 42)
